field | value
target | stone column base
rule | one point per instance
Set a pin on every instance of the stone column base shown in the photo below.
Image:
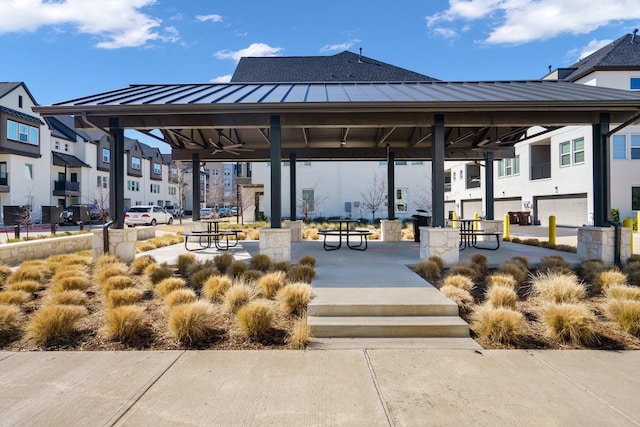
(391, 230)
(491, 226)
(599, 242)
(190, 227)
(441, 242)
(296, 230)
(122, 243)
(276, 243)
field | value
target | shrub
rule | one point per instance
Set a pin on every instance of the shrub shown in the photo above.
(73, 297)
(531, 242)
(463, 270)
(238, 295)
(191, 323)
(104, 273)
(428, 270)
(30, 286)
(117, 283)
(199, 277)
(237, 269)
(55, 323)
(15, 297)
(270, 284)
(184, 261)
(558, 287)
(5, 271)
(223, 261)
(307, 260)
(569, 322)
(498, 296)
(623, 292)
(140, 263)
(10, 321)
(105, 260)
(180, 296)
(515, 270)
(522, 261)
(502, 280)
(459, 281)
(632, 270)
(281, 266)
(168, 285)
(294, 298)
(68, 272)
(255, 318)
(251, 276)
(589, 268)
(299, 334)
(78, 283)
(215, 287)
(500, 325)
(159, 273)
(608, 278)
(260, 262)
(120, 297)
(253, 235)
(554, 263)
(626, 313)
(437, 260)
(126, 324)
(480, 262)
(459, 296)
(301, 273)
(34, 273)
(77, 259)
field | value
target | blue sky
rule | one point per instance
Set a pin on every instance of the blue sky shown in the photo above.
(64, 49)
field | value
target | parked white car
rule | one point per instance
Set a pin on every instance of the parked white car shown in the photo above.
(147, 215)
(207, 213)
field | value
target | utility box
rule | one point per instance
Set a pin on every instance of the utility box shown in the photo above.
(524, 218)
(52, 215)
(81, 213)
(514, 218)
(14, 215)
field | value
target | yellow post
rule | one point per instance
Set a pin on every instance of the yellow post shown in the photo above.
(628, 223)
(552, 229)
(505, 227)
(475, 223)
(454, 224)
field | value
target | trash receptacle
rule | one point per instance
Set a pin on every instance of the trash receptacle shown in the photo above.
(81, 214)
(513, 217)
(524, 218)
(52, 215)
(420, 220)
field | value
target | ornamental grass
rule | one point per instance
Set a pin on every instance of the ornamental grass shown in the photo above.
(572, 323)
(117, 283)
(238, 295)
(30, 286)
(191, 323)
(428, 270)
(117, 269)
(294, 298)
(223, 262)
(15, 297)
(158, 272)
(106, 260)
(251, 276)
(300, 333)
(499, 296)
(501, 325)
(283, 266)
(514, 269)
(464, 269)
(168, 285)
(632, 270)
(237, 269)
(71, 283)
(307, 260)
(73, 297)
(260, 262)
(119, 297)
(589, 269)
(301, 273)
(140, 263)
(558, 288)
(54, 324)
(625, 313)
(185, 261)
(623, 292)
(126, 324)
(502, 280)
(459, 281)
(29, 272)
(271, 283)
(554, 264)
(608, 278)
(462, 298)
(180, 296)
(10, 322)
(199, 277)
(437, 260)
(255, 318)
(215, 286)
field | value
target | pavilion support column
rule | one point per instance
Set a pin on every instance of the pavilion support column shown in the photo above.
(601, 171)
(488, 182)
(195, 183)
(275, 136)
(437, 171)
(292, 187)
(116, 172)
(391, 183)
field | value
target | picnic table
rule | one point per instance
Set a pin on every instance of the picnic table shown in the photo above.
(470, 231)
(344, 230)
(212, 237)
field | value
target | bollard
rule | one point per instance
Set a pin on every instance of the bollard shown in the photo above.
(54, 227)
(628, 223)
(81, 224)
(505, 227)
(454, 224)
(552, 229)
(475, 223)
(16, 231)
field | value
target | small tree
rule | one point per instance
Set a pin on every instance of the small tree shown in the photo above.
(308, 200)
(373, 199)
(183, 187)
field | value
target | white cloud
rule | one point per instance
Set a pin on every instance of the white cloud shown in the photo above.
(523, 21)
(339, 46)
(221, 79)
(117, 23)
(587, 50)
(212, 18)
(255, 49)
(446, 33)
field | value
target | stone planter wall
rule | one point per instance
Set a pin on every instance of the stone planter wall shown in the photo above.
(599, 242)
(15, 253)
(442, 242)
(391, 230)
(276, 243)
(296, 230)
(122, 243)
(146, 232)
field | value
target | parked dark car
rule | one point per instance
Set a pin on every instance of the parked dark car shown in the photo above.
(95, 213)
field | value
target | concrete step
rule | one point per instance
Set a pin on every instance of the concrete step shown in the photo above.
(388, 326)
(423, 301)
(394, 343)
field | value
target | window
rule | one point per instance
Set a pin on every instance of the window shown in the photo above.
(565, 154)
(28, 172)
(174, 172)
(572, 152)
(3, 174)
(417, 163)
(401, 199)
(99, 181)
(22, 133)
(155, 188)
(306, 163)
(157, 168)
(619, 147)
(401, 163)
(635, 198)
(133, 185)
(509, 167)
(227, 183)
(56, 145)
(501, 168)
(66, 147)
(103, 181)
(635, 147)
(215, 172)
(578, 151)
(634, 83)
(308, 198)
(135, 163)
(106, 155)
(19, 101)
(382, 163)
(172, 191)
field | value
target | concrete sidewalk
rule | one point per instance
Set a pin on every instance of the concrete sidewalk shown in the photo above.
(370, 387)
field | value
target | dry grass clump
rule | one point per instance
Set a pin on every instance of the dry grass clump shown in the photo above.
(238, 295)
(105, 260)
(68, 272)
(255, 318)
(310, 234)
(180, 296)
(191, 323)
(55, 323)
(10, 322)
(623, 292)
(102, 274)
(558, 287)
(5, 271)
(459, 281)
(281, 266)
(524, 262)
(253, 235)
(516, 270)
(15, 297)
(608, 278)
(307, 260)
(555, 264)
(73, 297)
(437, 260)
(260, 262)
(120, 297)
(77, 260)
(117, 283)
(199, 277)
(499, 296)
(30, 286)
(464, 269)
(270, 283)
(168, 285)
(28, 272)
(301, 273)
(625, 313)
(237, 269)
(299, 334)
(215, 287)
(480, 262)
(147, 245)
(461, 297)
(589, 268)
(158, 272)
(500, 325)
(126, 324)
(251, 276)
(569, 322)
(428, 270)
(294, 298)
(632, 270)
(223, 262)
(71, 283)
(502, 280)
(141, 263)
(185, 261)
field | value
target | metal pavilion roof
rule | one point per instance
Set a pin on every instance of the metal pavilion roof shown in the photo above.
(230, 121)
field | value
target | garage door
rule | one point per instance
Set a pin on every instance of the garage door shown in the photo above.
(503, 206)
(469, 207)
(449, 207)
(568, 210)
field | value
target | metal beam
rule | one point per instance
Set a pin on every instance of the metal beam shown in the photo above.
(276, 172)
(437, 172)
(488, 185)
(195, 184)
(293, 191)
(601, 171)
(116, 172)
(391, 183)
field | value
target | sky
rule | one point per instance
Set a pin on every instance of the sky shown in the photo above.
(64, 49)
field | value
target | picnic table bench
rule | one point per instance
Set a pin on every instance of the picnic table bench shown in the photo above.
(361, 244)
(205, 239)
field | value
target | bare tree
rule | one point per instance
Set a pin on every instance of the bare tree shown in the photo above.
(423, 197)
(308, 200)
(375, 196)
(183, 187)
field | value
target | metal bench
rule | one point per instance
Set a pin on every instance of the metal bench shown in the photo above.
(360, 246)
(205, 239)
(469, 238)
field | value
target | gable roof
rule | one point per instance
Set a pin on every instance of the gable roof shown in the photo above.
(623, 53)
(20, 114)
(62, 159)
(342, 67)
(7, 87)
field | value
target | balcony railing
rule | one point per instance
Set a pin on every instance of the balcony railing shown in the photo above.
(447, 186)
(4, 179)
(64, 188)
(540, 171)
